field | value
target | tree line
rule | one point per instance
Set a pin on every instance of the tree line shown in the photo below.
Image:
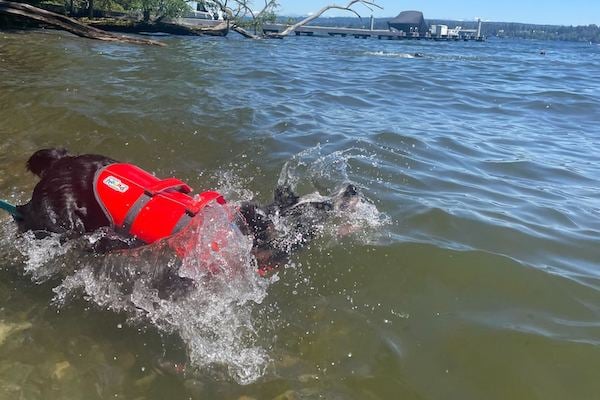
(583, 33)
(245, 17)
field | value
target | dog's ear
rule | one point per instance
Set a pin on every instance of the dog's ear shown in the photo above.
(347, 198)
(43, 159)
(284, 196)
(349, 191)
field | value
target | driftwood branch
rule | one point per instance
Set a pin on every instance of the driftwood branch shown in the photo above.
(163, 27)
(231, 16)
(218, 30)
(66, 23)
(243, 9)
(316, 15)
(226, 10)
(244, 33)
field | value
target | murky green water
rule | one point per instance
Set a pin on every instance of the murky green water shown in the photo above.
(481, 157)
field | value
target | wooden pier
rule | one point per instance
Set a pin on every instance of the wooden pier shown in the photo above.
(309, 30)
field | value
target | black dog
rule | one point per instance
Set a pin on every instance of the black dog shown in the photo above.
(64, 202)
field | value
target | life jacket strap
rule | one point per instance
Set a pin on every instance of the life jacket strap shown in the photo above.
(133, 212)
(166, 184)
(139, 204)
(184, 220)
(161, 186)
(146, 196)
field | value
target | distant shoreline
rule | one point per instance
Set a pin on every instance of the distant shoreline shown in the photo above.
(581, 33)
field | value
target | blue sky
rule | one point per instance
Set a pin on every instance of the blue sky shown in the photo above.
(563, 12)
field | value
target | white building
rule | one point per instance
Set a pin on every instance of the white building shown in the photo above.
(439, 30)
(203, 9)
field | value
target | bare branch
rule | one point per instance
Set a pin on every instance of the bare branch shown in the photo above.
(244, 32)
(348, 7)
(66, 23)
(268, 5)
(224, 9)
(242, 8)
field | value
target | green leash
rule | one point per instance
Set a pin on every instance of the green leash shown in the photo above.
(12, 210)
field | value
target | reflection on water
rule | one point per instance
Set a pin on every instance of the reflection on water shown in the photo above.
(469, 272)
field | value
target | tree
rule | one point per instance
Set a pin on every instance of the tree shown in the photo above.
(348, 7)
(243, 16)
(239, 16)
(158, 9)
(68, 24)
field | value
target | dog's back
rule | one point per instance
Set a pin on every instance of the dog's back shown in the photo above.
(63, 200)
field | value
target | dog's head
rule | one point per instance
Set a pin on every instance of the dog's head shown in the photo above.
(42, 160)
(346, 198)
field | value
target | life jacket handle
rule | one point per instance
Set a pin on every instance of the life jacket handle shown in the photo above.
(166, 184)
(204, 199)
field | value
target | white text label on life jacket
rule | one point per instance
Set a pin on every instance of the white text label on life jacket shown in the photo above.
(115, 184)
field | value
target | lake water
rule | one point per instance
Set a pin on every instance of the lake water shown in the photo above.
(472, 269)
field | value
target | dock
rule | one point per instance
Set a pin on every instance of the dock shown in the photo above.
(382, 34)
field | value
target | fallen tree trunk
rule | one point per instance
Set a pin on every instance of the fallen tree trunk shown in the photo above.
(66, 23)
(159, 27)
(244, 32)
(218, 30)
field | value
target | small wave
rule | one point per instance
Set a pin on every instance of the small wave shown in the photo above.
(542, 325)
(391, 54)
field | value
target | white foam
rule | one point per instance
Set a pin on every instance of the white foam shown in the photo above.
(216, 318)
(389, 54)
(313, 168)
(39, 254)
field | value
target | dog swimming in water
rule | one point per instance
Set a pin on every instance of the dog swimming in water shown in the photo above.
(83, 194)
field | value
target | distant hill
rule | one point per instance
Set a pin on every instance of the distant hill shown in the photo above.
(589, 33)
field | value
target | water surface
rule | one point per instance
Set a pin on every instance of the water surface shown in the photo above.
(476, 275)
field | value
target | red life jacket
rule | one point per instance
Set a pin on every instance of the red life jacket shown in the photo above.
(139, 204)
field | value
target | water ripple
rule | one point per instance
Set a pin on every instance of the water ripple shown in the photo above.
(482, 155)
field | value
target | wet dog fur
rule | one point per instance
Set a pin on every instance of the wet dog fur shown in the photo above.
(63, 202)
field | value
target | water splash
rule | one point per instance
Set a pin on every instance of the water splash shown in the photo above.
(43, 255)
(389, 54)
(323, 170)
(232, 185)
(202, 284)
(314, 169)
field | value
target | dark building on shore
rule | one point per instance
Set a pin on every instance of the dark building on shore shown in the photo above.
(409, 21)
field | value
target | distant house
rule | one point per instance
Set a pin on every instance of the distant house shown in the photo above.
(409, 21)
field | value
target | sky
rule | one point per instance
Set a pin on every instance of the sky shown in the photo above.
(554, 12)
